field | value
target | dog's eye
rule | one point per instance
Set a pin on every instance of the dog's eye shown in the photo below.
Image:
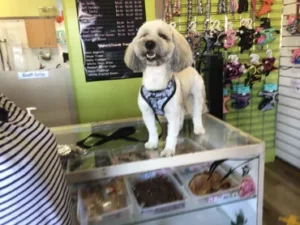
(163, 36)
(144, 35)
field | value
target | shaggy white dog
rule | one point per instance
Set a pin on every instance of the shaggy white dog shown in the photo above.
(170, 85)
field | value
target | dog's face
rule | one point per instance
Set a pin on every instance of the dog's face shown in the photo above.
(154, 43)
(158, 43)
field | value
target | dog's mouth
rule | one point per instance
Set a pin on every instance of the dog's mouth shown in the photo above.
(151, 56)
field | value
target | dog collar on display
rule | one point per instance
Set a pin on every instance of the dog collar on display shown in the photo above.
(157, 100)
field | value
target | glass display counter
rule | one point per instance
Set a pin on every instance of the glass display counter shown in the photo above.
(214, 179)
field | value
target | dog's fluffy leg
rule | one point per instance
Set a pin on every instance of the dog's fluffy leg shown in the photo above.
(198, 92)
(182, 115)
(174, 121)
(149, 120)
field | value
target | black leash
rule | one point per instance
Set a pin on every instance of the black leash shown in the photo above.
(122, 133)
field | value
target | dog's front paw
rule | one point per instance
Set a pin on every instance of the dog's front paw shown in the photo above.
(151, 145)
(199, 130)
(167, 153)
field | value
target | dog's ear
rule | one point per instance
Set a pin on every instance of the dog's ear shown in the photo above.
(131, 59)
(182, 56)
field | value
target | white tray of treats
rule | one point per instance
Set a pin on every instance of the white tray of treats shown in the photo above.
(105, 201)
(156, 193)
(207, 190)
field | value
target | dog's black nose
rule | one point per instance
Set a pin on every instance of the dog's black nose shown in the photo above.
(150, 45)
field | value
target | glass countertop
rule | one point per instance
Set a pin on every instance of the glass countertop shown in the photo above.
(220, 141)
(218, 134)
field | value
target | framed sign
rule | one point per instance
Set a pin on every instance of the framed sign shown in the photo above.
(106, 29)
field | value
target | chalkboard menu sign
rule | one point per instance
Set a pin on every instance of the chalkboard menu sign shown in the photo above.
(106, 29)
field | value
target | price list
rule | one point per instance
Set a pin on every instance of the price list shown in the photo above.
(106, 29)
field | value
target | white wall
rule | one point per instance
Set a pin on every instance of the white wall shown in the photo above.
(21, 57)
(288, 113)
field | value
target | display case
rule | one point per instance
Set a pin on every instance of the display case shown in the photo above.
(214, 179)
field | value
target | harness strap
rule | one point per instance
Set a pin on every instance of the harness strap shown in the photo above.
(172, 83)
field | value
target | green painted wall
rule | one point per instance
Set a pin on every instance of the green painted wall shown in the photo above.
(102, 100)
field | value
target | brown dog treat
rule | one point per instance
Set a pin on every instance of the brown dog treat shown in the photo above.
(155, 191)
(201, 185)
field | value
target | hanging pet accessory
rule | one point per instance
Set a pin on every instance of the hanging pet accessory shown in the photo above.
(270, 95)
(243, 6)
(264, 33)
(265, 8)
(241, 96)
(207, 14)
(254, 71)
(233, 69)
(253, 9)
(293, 25)
(189, 13)
(219, 35)
(246, 35)
(213, 37)
(168, 11)
(222, 6)
(233, 7)
(177, 8)
(230, 37)
(208, 37)
(295, 56)
(226, 98)
(268, 63)
(194, 39)
(200, 7)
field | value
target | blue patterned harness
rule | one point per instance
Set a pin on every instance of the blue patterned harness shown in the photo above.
(157, 100)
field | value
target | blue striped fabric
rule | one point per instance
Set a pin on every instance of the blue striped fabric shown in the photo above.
(33, 190)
